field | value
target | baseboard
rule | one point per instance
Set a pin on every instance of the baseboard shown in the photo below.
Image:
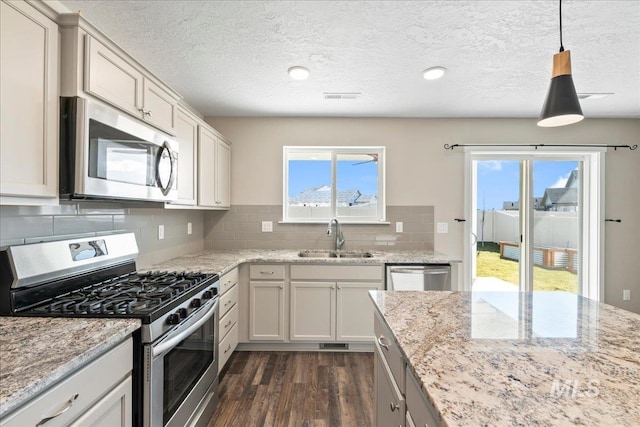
(361, 347)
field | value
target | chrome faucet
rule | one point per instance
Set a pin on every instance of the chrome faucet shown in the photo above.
(339, 237)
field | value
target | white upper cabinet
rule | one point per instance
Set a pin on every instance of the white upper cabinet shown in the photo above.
(214, 169)
(113, 79)
(187, 136)
(206, 167)
(223, 174)
(28, 106)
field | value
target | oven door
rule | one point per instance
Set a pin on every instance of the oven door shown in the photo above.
(181, 371)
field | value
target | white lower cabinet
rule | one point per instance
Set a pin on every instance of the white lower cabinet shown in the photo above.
(266, 310)
(112, 410)
(267, 302)
(313, 311)
(418, 408)
(399, 400)
(390, 403)
(331, 302)
(228, 330)
(98, 394)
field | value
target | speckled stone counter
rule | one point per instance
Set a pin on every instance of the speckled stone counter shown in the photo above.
(37, 352)
(519, 359)
(212, 261)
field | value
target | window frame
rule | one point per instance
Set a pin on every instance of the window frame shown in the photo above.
(334, 151)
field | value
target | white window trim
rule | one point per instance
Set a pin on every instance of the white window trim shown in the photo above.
(335, 150)
(592, 245)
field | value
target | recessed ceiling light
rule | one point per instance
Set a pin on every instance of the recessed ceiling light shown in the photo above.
(433, 73)
(594, 95)
(298, 73)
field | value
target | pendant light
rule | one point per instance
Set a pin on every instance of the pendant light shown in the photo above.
(562, 106)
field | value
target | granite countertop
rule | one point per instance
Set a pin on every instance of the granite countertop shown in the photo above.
(36, 352)
(560, 360)
(220, 262)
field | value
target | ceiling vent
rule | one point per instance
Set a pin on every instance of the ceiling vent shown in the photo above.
(342, 95)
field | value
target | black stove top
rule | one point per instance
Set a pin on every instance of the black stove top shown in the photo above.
(145, 295)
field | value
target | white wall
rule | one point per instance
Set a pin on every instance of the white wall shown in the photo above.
(421, 172)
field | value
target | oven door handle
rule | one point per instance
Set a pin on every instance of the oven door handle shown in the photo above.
(180, 335)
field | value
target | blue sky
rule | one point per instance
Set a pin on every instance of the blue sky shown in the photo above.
(498, 180)
(305, 174)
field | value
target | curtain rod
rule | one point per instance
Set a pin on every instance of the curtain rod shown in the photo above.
(536, 146)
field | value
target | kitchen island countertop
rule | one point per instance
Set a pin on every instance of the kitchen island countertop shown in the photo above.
(510, 358)
(37, 352)
(220, 261)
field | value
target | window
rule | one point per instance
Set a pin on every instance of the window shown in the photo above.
(321, 183)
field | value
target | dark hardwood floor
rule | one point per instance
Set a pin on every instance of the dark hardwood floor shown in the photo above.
(296, 389)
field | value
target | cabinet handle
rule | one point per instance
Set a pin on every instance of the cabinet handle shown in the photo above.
(148, 113)
(385, 346)
(269, 273)
(394, 406)
(227, 303)
(228, 348)
(228, 324)
(67, 406)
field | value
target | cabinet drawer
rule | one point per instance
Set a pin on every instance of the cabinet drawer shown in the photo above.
(390, 350)
(228, 300)
(336, 272)
(227, 322)
(89, 384)
(266, 271)
(228, 280)
(227, 345)
(417, 405)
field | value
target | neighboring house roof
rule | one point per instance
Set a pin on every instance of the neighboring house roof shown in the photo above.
(572, 181)
(561, 196)
(322, 196)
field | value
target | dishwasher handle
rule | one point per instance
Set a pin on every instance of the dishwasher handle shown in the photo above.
(420, 270)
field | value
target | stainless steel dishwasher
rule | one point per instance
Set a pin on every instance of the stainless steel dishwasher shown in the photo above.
(418, 277)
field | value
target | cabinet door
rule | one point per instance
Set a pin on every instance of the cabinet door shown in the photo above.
(159, 108)
(313, 308)
(187, 182)
(111, 78)
(223, 174)
(206, 167)
(390, 405)
(355, 312)
(266, 311)
(114, 409)
(28, 103)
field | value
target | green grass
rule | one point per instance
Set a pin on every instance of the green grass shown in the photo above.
(490, 265)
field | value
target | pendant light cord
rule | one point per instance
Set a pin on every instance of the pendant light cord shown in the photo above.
(561, 47)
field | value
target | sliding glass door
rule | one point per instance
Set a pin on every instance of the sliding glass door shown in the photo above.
(534, 222)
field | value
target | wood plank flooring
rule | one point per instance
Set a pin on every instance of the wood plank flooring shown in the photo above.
(322, 389)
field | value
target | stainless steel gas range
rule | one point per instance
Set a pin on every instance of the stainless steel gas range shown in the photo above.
(175, 351)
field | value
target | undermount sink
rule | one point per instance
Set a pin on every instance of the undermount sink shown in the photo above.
(334, 254)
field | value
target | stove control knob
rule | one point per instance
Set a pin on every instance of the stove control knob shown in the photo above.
(207, 295)
(173, 319)
(183, 312)
(196, 302)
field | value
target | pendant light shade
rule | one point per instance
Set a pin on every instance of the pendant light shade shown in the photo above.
(561, 106)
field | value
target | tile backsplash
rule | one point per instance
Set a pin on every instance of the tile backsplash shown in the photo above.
(31, 224)
(240, 228)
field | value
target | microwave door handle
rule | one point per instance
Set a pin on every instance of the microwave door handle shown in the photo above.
(180, 336)
(172, 175)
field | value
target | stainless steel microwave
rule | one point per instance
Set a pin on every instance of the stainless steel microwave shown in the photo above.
(106, 154)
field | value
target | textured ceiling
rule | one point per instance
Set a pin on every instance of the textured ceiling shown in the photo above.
(230, 58)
